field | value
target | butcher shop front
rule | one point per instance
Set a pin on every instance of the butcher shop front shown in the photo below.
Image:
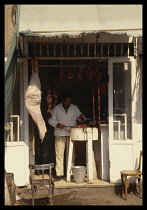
(75, 68)
(103, 73)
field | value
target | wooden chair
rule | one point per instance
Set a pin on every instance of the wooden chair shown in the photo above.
(35, 184)
(127, 174)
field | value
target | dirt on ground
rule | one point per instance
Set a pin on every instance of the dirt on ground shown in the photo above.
(79, 197)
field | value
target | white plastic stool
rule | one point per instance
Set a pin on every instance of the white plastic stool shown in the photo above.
(90, 162)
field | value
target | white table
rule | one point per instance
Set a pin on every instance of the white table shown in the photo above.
(88, 135)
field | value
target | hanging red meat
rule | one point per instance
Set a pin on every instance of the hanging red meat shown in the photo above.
(70, 76)
(89, 73)
(80, 73)
(35, 64)
(54, 98)
(49, 102)
(33, 100)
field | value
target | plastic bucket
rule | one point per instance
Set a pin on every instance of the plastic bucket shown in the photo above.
(79, 173)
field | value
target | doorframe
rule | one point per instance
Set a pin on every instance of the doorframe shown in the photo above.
(24, 116)
(111, 141)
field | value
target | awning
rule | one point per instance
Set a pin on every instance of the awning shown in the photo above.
(10, 69)
(72, 20)
(10, 73)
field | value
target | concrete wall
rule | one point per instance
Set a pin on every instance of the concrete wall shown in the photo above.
(76, 18)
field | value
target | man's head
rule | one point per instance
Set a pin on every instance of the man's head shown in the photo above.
(66, 100)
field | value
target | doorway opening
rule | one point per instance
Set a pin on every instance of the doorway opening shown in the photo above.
(80, 79)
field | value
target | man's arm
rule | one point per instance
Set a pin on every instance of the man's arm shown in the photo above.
(52, 121)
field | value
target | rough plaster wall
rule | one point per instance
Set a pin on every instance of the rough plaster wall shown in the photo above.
(9, 27)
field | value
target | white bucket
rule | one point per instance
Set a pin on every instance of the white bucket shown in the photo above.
(79, 173)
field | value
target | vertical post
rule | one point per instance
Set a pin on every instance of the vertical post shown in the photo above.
(121, 49)
(95, 50)
(7, 195)
(115, 49)
(40, 50)
(101, 49)
(81, 50)
(50, 184)
(61, 49)
(75, 49)
(128, 51)
(108, 51)
(89, 157)
(54, 50)
(69, 159)
(99, 113)
(68, 50)
(93, 102)
(48, 50)
(88, 50)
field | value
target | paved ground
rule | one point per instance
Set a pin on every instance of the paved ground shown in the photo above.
(70, 194)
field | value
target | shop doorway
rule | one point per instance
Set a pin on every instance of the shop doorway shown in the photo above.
(79, 78)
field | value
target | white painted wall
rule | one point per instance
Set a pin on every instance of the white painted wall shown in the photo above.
(16, 162)
(74, 18)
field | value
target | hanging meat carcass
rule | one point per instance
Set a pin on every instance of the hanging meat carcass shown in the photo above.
(80, 73)
(33, 99)
(54, 98)
(89, 73)
(51, 100)
(70, 77)
(35, 64)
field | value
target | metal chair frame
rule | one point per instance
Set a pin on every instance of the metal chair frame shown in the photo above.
(127, 174)
(35, 183)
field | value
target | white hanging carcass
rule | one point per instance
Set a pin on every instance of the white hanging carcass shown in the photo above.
(33, 100)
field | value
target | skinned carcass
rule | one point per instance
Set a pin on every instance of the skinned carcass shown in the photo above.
(51, 100)
(33, 101)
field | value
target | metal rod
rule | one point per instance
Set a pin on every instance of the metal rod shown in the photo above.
(68, 50)
(104, 30)
(75, 49)
(101, 54)
(69, 58)
(115, 49)
(108, 50)
(40, 49)
(54, 50)
(98, 90)
(60, 65)
(81, 49)
(128, 52)
(61, 50)
(88, 50)
(95, 50)
(47, 50)
(93, 102)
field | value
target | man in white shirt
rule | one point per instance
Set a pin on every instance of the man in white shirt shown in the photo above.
(64, 116)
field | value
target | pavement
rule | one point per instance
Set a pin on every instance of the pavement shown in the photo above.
(100, 193)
